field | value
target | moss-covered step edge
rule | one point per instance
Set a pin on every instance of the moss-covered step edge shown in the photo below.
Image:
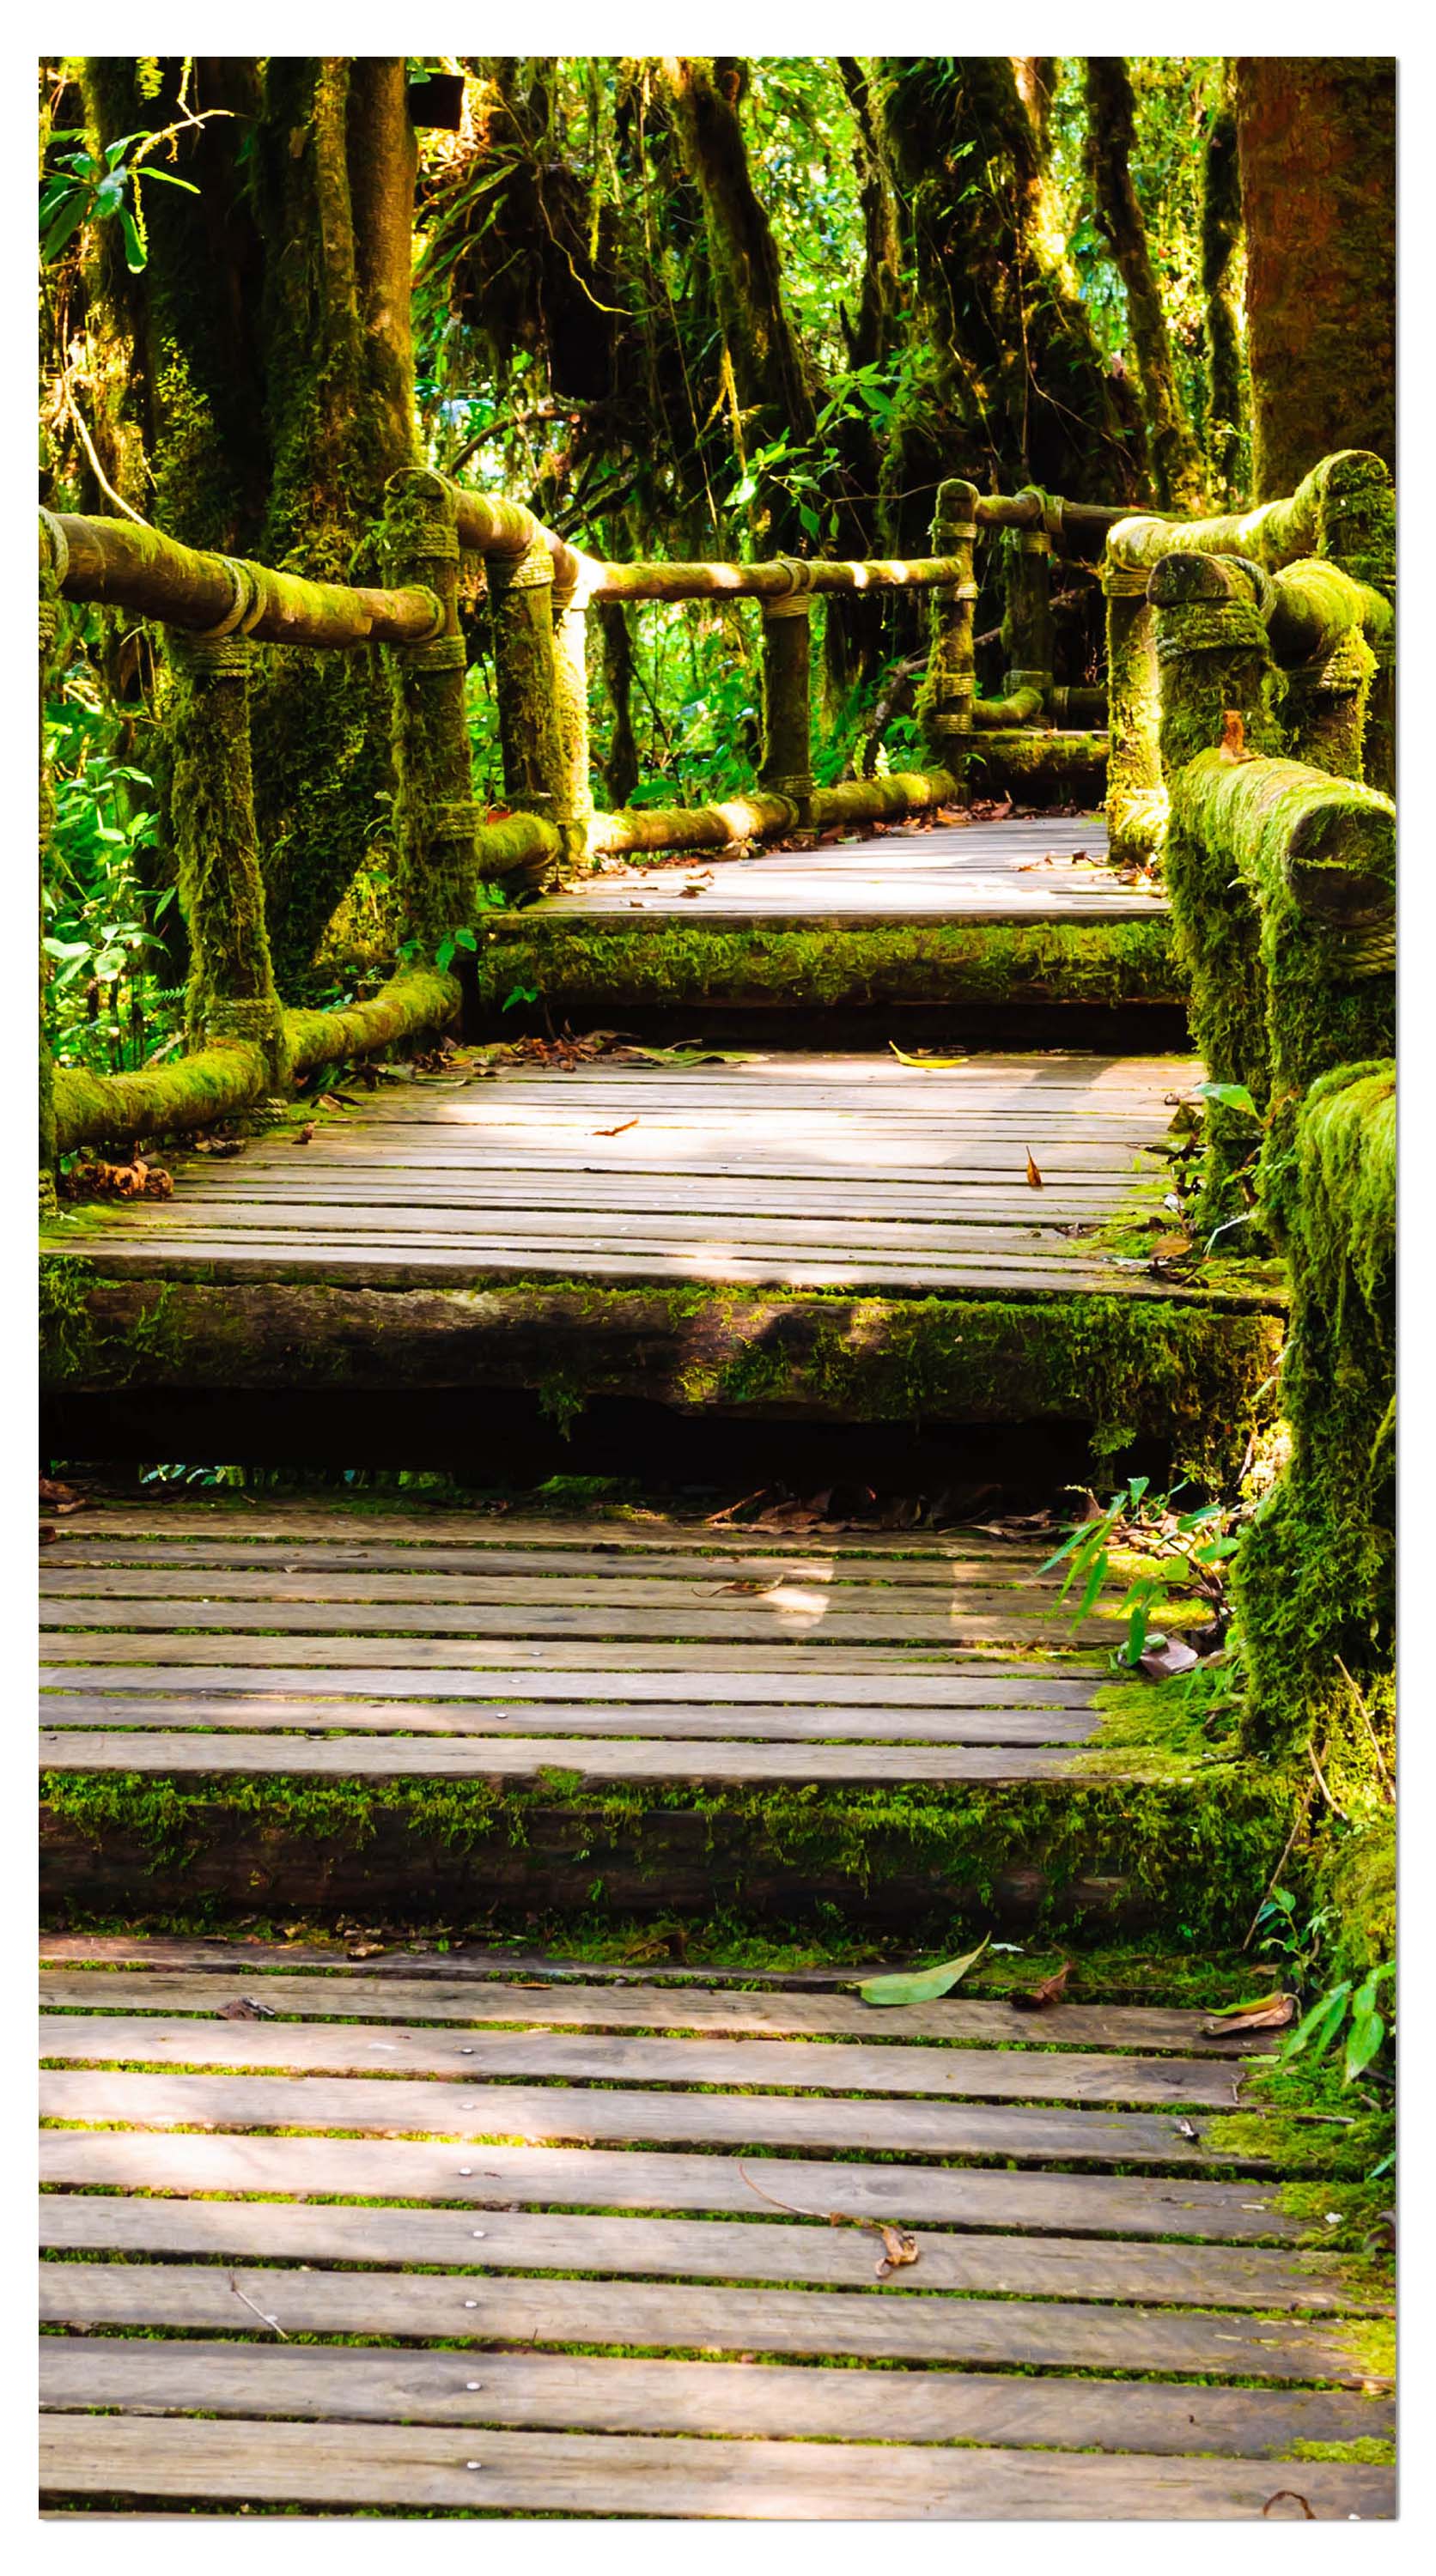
(1187, 1371)
(1167, 1842)
(577, 962)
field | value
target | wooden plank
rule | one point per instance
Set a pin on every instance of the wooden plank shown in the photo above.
(558, 1668)
(658, 2315)
(790, 1614)
(820, 2256)
(458, 1650)
(849, 1577)
(675, 1725)
(416, 2169)
(391, 1521)
(349, 1757)
(613, 2395)
(639, 2006)
(1012, 2074)
(632, 2475)
(553, 2113)
(1025, 1234)
(217, 1258)
(614, 1588)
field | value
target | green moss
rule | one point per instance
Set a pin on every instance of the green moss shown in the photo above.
(1366, 2451)
(1195, 1849)
(588, 965)
(1315, 1580)
(1196, 1374)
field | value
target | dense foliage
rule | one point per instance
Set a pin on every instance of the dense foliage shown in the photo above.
(679, 306)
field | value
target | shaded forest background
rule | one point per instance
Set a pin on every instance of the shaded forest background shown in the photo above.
(681, 306)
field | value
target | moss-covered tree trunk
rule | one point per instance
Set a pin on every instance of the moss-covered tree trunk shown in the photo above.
(1224, 420)
(769, 381)
(335, 183)
(1009, 386)
(1111, 119)
(1317, 139)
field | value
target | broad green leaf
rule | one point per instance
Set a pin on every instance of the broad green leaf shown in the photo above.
(1363, 2042)
(134, 247)
(920, 1985)
(1232, 1095)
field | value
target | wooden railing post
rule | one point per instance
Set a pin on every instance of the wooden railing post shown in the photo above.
(1218, 683)
(231, 993)
(1027, 627)
(945, 707)
(1358, 533)
(570, 672)
(52, 566)
(787, 763)
(1136, 797)
(435, 811)
(521, 611)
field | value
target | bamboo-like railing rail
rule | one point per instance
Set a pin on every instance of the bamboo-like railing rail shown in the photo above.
(244, 1044)
(1319, 570)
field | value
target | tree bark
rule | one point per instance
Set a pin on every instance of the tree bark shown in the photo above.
(1111, 117)
(335, 185)
(1015, 389)
(1225, 421)
(774, 395)
(1317, 139)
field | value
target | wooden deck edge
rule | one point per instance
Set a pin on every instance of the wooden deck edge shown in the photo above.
(1129, 1365)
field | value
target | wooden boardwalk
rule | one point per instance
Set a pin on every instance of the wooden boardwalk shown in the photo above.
(1041, 869)
(783, 1171)
(358, 2249)
(460, 1646)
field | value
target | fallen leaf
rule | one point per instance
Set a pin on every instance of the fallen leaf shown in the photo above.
(1171, 1247)
(1288, 2495)
(221, 1147)
(929, 1063)
(1184, 2129)
(305, 1135)
(48, 1533)
(244, 2008)
(366, 1950)
(691, 890)
(920, 1985)
(1165, 1656)
(1269, 2012)
(1050, 1991)
(898, 2248)
(1233, 744)
(621, 1130)
(59, 1497)
(1034, 1177)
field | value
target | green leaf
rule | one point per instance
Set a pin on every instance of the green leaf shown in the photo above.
(1095, 1581)
(134, 247)
(921, 1985)
(1232, 1095)
(1363, 2042)
(55, 234)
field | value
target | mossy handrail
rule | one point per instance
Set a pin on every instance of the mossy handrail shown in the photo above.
(1319, 569)
(244, 1045)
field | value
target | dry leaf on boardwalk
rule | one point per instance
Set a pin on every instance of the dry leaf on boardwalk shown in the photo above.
(929, 1063)
(1268, 2012)
(1034, 1177)
(305, 1135)
(621, 1130)
(1051, 1991)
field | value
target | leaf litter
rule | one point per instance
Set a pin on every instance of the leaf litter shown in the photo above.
(899, 2247)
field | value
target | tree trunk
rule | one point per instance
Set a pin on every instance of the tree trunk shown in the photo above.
(1317, 141)
(1111, 116)
(772, 390)
(193, 389)
(1225, 421)
(335, 180)
(620, 770)
(1015, 389)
